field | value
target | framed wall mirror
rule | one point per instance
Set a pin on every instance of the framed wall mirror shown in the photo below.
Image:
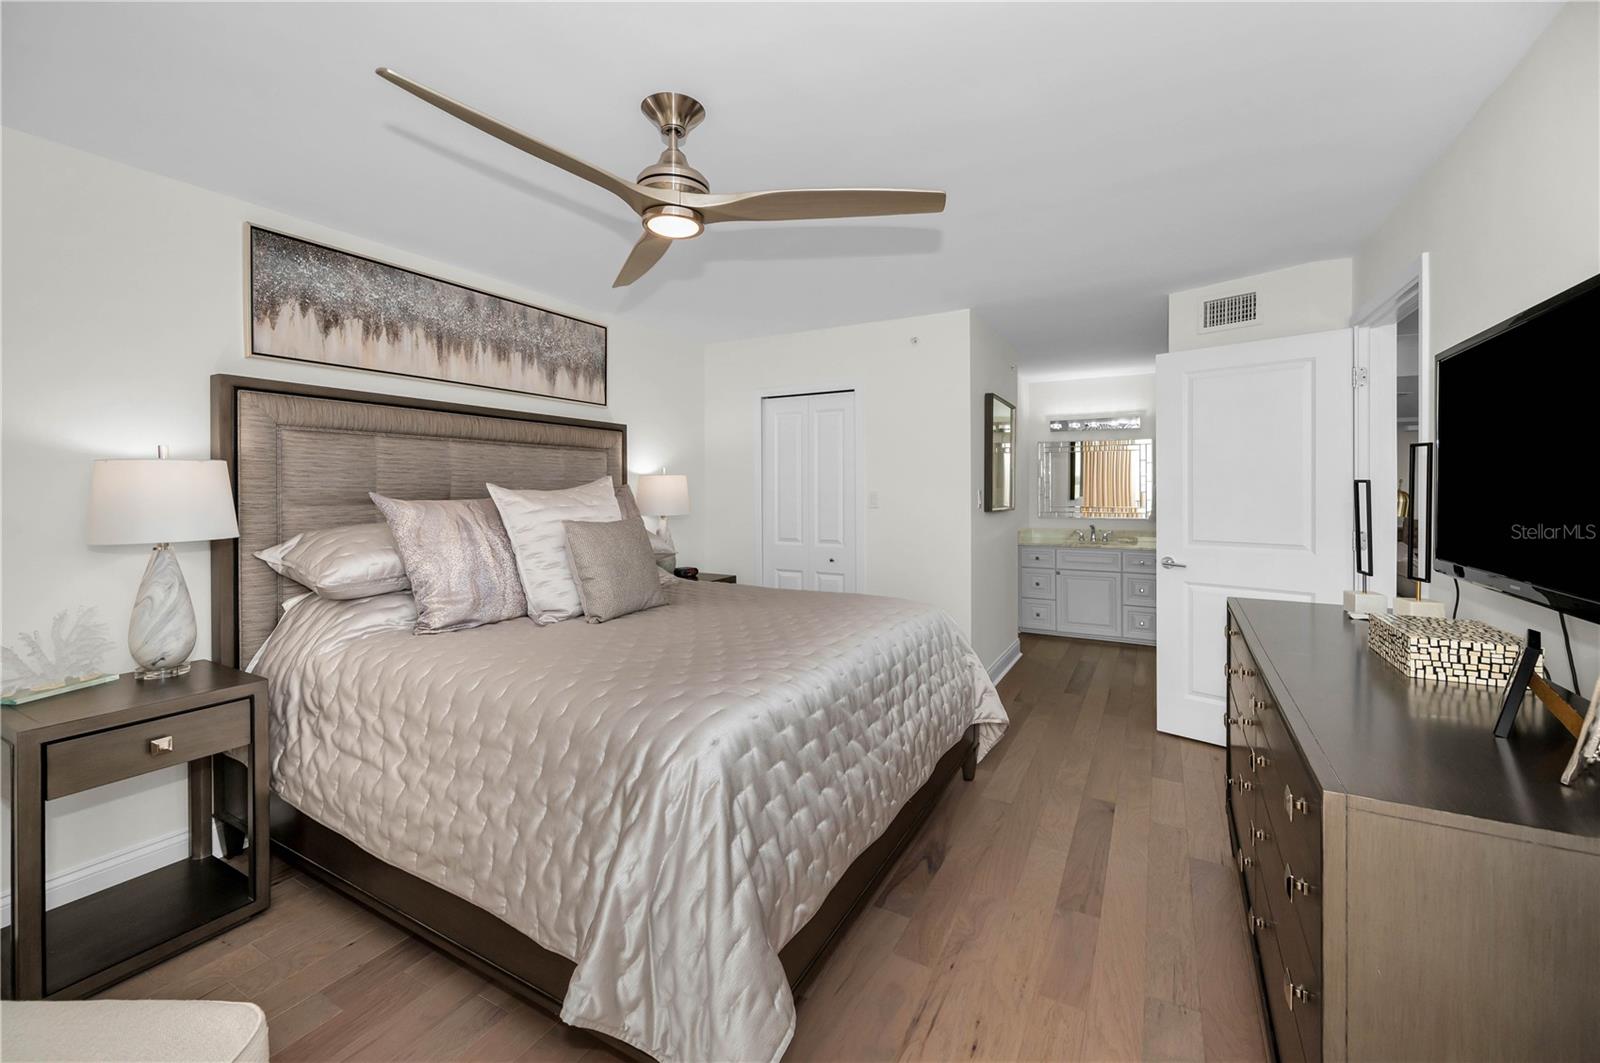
(999, 455)
(1102, 479)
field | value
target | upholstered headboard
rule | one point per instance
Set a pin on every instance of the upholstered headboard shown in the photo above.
(304, 458)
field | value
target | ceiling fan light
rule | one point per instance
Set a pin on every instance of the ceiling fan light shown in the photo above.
(673, 222)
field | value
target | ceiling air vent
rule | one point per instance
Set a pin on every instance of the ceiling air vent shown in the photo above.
(1229, 311)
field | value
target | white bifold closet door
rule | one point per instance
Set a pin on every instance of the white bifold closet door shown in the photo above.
(808, 492)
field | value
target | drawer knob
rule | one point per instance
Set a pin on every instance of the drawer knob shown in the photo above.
(1240, 783)
(1243, 861)
(160, 746)
(1257, 833)
(1295, 994)
(1254, 922)
(1293, 804)
(1293, 886)
(1259, 761)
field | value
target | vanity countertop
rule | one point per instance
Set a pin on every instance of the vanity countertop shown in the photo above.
(1069, 537)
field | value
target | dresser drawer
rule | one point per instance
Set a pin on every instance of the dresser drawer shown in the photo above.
(1297, 985)
(1139, 624)
(1139, 561)
(1089, 559)
(1292, 891)
(1041, 616)
(1138, 590)
(1037, 557)
(1037, 583)
(83, 763)
(1284, 1021)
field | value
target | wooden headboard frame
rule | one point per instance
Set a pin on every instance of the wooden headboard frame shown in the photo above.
(302, 457)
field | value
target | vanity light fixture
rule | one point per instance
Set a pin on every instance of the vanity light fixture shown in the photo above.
(1102, 422)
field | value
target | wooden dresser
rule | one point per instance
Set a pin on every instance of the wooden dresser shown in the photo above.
(1414, 888)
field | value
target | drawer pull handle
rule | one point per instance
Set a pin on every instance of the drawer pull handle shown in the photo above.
(1254, 922)
(1258, 761)
(161, 746)
(1241, 784)
(1295, 994)
(1243, 861)
(1242, 721)
(1258, 833)
(1293, 885)
(1293, 804)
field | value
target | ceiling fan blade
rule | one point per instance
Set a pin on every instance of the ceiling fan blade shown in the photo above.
(635, 196)
(798, 204)
(646, 253)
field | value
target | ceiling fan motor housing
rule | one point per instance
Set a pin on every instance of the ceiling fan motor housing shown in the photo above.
(674, 114)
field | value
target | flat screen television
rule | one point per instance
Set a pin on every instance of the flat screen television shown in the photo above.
(1517, 432)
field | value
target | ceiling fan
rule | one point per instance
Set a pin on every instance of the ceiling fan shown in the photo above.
(672, 198)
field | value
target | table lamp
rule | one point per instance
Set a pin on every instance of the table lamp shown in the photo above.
(662, 495)
(160, 501)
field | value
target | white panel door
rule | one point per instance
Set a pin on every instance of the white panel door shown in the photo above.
(1253, 471)
(808, 492)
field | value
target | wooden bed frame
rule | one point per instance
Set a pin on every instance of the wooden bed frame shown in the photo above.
(470, 934)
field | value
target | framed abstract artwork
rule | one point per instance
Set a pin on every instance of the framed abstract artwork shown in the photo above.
(313, 303)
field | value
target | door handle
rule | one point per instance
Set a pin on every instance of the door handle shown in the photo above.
(1167, 562)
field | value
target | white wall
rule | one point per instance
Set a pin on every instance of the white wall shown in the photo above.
(1312, 297)
(1043, 399)
(994, 535)
(912, 386)
(1509, 216)
(123, 293)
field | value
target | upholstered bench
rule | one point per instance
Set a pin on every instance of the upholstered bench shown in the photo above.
(132, 1031)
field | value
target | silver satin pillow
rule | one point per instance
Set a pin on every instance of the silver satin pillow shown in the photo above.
(614, 568)
(459, 560)
(666, 556)
(533, 522)
(355, 561)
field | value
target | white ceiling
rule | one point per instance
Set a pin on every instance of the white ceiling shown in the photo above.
(1096, 156)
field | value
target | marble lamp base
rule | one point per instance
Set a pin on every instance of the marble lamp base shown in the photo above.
(161, 632)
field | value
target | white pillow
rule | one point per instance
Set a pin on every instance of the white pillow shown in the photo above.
(533, 521)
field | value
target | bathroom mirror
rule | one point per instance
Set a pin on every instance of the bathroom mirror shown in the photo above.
(999, 455)
(1103, 479)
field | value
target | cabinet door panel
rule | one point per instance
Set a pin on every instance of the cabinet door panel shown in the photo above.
(1089, 603)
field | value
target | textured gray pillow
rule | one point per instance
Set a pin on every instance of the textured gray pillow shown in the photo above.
(613, 567)
(459, 560)
(355, 561)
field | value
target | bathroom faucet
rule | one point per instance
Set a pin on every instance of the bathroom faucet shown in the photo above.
(1092, 539)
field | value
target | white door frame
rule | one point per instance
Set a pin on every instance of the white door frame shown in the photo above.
(1375, 440)
(761, 395)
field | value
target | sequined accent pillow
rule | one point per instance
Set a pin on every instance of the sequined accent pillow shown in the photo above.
(614, 568)
(460, 563)
(533, 520)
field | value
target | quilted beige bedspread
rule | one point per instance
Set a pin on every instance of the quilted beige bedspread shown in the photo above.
(665, 799)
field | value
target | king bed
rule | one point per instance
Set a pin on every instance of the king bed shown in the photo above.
(655, 826)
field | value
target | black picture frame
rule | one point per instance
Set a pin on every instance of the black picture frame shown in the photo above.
(1363, 510)
(999, 443)
(252, 290)
(1419, 521)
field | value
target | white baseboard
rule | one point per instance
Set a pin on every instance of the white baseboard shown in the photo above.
(1007, 659)
(97, 875)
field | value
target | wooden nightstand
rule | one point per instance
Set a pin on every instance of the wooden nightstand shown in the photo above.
(75, 742)
(716, 577)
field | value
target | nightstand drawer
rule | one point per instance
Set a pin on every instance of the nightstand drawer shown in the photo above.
(83, 763)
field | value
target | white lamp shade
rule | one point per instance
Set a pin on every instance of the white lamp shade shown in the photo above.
(160, 501)
(663, 495)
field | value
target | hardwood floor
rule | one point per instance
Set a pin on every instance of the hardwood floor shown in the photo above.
(1075, 901)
